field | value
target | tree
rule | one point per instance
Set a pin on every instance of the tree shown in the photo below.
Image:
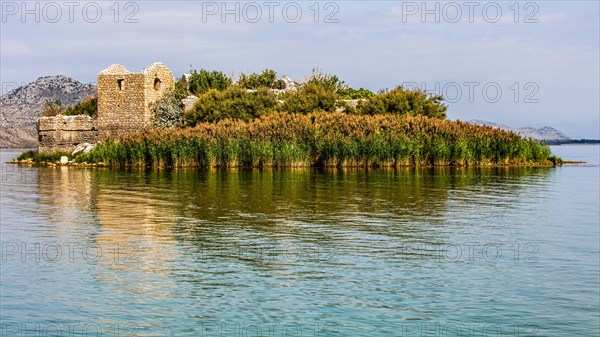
(166, 111)
(318, 93)
(351, 93)
(87, 107)
(266, 79)
(201, 82)
(53, 108)
(181, 90)
(400, 101)
(233, 102)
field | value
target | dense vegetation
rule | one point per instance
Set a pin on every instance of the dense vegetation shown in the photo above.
(233, 102)
(318, 93)
(52, 108)
(266, 79)
(251, 97)
(321, 122)
(322, 139)
(39, 157)
(351, 93)
(204, 80)
(88, 107)
(401, 101)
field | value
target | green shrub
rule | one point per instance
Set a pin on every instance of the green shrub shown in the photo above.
(167, 111)
(318, 93)
(233, 102)
(266, 79)
(351, 93)
(181, 90)
(52, 108)
(201, 82)
(88, 107)
(327, 81)
(401, 101)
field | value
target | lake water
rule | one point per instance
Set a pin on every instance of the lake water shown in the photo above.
(307, 252)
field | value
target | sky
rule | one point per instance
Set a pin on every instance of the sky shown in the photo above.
(527, 63)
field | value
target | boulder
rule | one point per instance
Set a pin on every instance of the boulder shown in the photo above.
(286, 84)
(189, 102)
(82, 148)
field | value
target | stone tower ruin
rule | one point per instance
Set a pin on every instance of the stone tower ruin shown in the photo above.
(124, 97)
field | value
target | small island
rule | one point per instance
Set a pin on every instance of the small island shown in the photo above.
(204, 119)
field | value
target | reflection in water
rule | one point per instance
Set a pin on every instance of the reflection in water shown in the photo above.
(232, 209)
(366, 250)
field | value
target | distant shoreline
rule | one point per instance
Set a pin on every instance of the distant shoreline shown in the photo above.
(572, 142)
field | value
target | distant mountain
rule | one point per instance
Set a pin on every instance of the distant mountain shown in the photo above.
(20, 108)
(545, 133)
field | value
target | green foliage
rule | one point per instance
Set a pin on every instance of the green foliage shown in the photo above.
(351, 93)
(88, 107)
(233, 102)
(201, 82)
(327, 81)
(317, 139)
(181, 90)
(52, 108)
(166, 111)
(40, 157)
(318, 93)
(266, 79)
(401, 101)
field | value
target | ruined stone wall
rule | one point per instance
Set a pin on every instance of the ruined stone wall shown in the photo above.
(124, 97)
(159, 80)
(124, 100)
(120, 105)
(63, 133)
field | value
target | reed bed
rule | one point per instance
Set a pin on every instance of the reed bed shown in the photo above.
(324, 140)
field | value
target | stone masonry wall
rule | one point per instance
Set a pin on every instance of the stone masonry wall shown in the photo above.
(159, 79)
(124, 100)
(63, 133)
(124, 97)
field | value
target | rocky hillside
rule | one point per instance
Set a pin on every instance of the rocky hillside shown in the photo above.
(545, 133)
(20, 108)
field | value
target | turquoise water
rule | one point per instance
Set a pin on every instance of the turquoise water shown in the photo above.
(410, 252)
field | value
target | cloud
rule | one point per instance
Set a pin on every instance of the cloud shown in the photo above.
(369, 47)
(472, 13)
(11, 47)
(554, 17)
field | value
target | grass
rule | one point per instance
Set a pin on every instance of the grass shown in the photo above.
(40, 157)
(322, 140)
